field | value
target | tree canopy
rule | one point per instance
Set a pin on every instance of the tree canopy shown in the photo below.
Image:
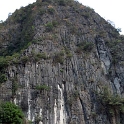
(10, 114)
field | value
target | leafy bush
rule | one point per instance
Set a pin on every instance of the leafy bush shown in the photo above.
(49, 26)
(113, 103)
(10, 114)
(3, 63)
(86, 15)
(85, 46)
(68, 53)
(42, 11)
(25, 17)
(51, 10)
(24, 59)
(59, 57)
(15, 58)
(88, 46)
(55, 23)
(2, 78)
(87, 12)
(37, 56)
(41, 55)
(62, 2)
(14, 86)
(115, 50)
(42, 87)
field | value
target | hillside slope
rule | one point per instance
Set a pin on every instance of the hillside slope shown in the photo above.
(62, 64)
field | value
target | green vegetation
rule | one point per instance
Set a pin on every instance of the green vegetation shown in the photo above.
(50, 26)
(3, 62)
(3, 78)
(8, 60)
(42, 12)
(24, 59)
(17, 59)
(25, 17)
(33, 57)
(14, 86)
(102, 34)
(68, 53)
(115, 50)
(59, 57)
(24, 35)
(62, 2)
(41, 55)
(30, 122)
(65, 2)
(114, 103)
(87, 12)
(55, 23)
(10, 114)
(85, 46)
(51, 10)
(37, 56)
(42, 87)
(38, 119)
(61, 70)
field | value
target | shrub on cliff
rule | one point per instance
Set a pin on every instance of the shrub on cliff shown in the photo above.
(58, 57)
(3, 78)
(10, 114)
(85, 46)
(113, 103)
(49, 27)
(42, 87)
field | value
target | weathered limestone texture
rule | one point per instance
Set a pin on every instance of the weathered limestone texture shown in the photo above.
(77, 62)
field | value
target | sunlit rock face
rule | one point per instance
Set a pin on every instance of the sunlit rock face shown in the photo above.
(66, 68)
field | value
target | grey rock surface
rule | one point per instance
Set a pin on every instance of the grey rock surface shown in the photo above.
(71, 75)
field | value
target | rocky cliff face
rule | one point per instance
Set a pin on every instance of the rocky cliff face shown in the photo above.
(62, 64)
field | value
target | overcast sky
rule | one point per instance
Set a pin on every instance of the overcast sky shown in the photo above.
(108, 9)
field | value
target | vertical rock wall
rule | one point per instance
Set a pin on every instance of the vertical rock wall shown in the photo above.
(63, 87)
(71, 98)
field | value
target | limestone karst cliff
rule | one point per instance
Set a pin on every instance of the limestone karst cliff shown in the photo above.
(62, 64)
